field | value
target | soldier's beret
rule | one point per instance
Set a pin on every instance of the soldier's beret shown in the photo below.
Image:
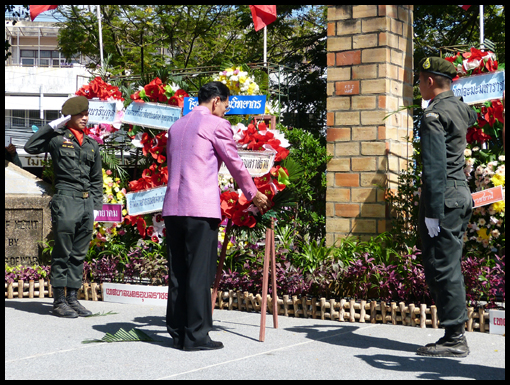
(438, 66)
(75, 105)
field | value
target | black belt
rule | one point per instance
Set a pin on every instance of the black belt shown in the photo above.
(84, 194)
(455, 183)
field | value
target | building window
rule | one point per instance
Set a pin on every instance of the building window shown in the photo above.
(18, 118)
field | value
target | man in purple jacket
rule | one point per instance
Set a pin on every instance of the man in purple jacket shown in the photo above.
(197, 145)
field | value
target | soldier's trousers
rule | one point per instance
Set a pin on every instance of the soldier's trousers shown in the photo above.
(73, 220)
(442, 254)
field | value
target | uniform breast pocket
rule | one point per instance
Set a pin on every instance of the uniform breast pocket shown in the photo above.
(67, 159)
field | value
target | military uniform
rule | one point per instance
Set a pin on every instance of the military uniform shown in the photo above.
(445, 196)
(79, 191)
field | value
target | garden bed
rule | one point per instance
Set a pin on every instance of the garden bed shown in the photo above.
(345, 310)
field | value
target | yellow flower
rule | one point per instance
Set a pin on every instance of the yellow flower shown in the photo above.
(498, 180)
(124, 212)
(484, 234)
(499, 206)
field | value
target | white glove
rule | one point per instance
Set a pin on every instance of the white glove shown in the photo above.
(432, 226)
(60, 122)
(96, 213)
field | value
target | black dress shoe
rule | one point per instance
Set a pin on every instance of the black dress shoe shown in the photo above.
(211, 345)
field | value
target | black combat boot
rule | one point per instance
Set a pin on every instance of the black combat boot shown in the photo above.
(72, 300)
(60, 306)
(453, 344)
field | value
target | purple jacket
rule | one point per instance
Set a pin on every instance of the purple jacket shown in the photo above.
(197, 145)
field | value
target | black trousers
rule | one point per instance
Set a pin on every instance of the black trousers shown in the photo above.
(442, 255)
(192, 256)
(73, 220)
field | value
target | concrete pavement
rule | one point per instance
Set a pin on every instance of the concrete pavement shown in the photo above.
(41, 346)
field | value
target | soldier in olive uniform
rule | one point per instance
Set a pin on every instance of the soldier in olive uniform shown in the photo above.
(445, 203)
(79, 192)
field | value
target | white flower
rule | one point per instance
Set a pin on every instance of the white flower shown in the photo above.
(281, 137)
(482, 222)
(467, 152)
(471, 65)
(501, 158)
(495, 233)
(136, 140)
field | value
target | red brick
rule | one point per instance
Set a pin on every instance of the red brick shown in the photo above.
(347, 88)
(348, 58)
(347, 210)
(347, 180)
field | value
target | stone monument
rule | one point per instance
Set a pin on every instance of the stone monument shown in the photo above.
(27, 216)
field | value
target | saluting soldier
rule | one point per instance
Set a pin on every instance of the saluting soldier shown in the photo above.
(445, 202)
(79, 191)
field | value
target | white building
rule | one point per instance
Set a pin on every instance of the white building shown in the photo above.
(37, 81)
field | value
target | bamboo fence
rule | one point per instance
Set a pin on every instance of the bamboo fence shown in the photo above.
(344, 310)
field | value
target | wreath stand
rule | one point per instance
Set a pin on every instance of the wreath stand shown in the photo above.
(269, 257)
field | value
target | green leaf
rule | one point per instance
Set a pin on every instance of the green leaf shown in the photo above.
(121, 335)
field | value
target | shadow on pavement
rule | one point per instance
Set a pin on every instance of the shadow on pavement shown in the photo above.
(432, 368)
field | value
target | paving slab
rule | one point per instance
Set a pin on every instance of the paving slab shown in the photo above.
(39, 345)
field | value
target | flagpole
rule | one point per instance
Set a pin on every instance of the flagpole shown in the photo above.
(100, 35)
(482, 39)
(265, 46)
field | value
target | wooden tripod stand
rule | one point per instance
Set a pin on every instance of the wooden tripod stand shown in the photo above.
(269, 256)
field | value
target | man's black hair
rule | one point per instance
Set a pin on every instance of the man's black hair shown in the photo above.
(211, 90)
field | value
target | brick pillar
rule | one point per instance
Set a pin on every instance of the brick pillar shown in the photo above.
(370, 60)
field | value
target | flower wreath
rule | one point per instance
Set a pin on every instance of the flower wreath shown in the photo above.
(98, 88)
(154, 148)
(473, 62)
(158, 92)
(238, 81)
(234, 204)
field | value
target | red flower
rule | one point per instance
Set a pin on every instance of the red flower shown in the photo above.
(498, 109)
(130, 220)
(163, 175)
(98, 88)
(141, 226)
(158, 153)
(154, 89)
(178, 98)
(228, 200)
(155, 238)
(264, 179)
(243, 218)
(266, 190)
(282, 153)
(162, 139)
(476, 135)
(150, 231)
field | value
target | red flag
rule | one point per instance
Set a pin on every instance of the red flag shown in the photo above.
(35, 10)
(263, 15)
(465, 7)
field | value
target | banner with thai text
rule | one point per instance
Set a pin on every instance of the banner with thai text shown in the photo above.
(480, 88)
(488, 196)
(153, 115)
(110, 213)
(258, 163)
(135, 294)
(146, 201)
(238, 104)
(101, 112)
